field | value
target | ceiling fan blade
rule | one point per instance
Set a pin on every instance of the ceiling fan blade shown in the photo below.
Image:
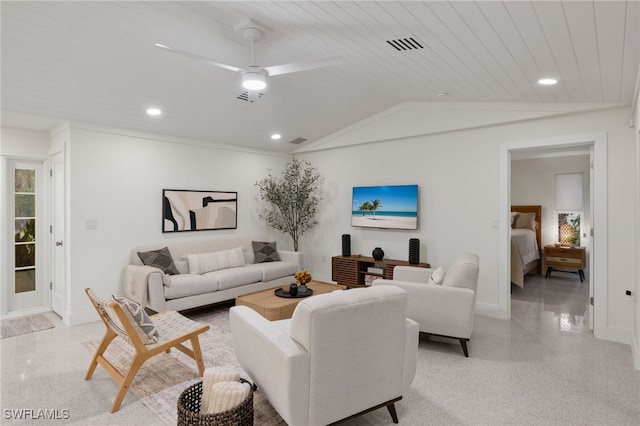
(303, 65)
(201, 58)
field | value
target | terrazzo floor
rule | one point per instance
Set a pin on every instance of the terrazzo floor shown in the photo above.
(542, 367)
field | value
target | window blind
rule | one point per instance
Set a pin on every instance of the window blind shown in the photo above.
(569, 192)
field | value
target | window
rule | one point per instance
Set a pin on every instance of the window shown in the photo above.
(25, 230)
(569, 206)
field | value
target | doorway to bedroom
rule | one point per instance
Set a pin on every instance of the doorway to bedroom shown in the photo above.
(542, 160)
(563, 293)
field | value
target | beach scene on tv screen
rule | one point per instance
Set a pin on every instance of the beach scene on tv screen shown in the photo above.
(394, 207)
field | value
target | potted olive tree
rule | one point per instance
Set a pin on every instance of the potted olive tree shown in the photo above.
(292, 199)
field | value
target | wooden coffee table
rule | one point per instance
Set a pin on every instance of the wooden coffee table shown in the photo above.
(272, 307)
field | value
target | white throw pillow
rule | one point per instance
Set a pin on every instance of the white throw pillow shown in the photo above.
(201, 263)
(437, 276)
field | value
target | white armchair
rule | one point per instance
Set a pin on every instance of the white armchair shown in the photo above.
(341, 354)
(444, 309)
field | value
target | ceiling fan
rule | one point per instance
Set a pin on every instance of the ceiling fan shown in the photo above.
(254, 77)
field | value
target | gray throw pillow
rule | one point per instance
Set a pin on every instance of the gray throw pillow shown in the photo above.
(265, 251)
(160, 259)
(145, 329)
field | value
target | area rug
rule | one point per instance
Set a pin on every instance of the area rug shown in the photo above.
(24, 325)
(161, 379)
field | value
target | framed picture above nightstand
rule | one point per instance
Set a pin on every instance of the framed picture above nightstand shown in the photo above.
(565, 258)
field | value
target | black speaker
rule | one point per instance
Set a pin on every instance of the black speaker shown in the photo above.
(346, 245)
(414, 251)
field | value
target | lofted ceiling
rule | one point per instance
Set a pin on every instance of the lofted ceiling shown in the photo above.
(96, 62)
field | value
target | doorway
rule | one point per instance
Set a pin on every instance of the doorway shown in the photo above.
(25, 287)
(536, 179)
(598, 263)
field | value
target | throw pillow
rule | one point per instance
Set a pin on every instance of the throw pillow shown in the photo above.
(513, 218)
(525, 220)
(141, 322)
(437, 276)
(201, 263)
(160, 259)
(265, 251)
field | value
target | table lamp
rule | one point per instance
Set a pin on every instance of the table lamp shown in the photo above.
(566, 234)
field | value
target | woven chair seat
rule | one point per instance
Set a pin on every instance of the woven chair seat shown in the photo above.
(171, 324)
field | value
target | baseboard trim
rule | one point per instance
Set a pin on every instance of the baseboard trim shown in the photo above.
(78, 318)
(490, 310)
(323, 278)
(616, 334)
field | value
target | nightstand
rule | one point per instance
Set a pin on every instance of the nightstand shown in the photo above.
(565, 257)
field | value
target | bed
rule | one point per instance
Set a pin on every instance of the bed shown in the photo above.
(526, 234)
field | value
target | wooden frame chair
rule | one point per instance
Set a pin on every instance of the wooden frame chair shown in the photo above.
(174, 329)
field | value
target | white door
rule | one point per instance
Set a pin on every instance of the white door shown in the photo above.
(27, 288)
(58, 264)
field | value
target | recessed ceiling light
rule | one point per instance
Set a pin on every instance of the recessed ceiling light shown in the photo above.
(547, 81)
(154, 111)
(276, 136)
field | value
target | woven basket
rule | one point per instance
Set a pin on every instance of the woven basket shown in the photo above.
(189, 410)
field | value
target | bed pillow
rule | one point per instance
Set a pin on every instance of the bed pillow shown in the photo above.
(513, 218)
(160, 259)
(437, 276)
(525, 220)
(200, 263)
(145, 329)
(265, 251)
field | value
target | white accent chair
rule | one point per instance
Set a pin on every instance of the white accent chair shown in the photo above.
(342, 354)
(444, 310)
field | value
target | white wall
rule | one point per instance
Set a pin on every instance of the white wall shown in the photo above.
(117, 179)
(533, 182)
(458, 176)
(24, 143)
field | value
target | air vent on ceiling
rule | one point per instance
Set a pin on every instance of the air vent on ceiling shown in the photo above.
(408, 43)
(298, 141)
(250, 96)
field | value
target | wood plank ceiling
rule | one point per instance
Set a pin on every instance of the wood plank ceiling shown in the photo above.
(95, 61)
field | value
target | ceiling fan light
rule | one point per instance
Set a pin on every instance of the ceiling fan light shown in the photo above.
(547, 81)
(252, 80)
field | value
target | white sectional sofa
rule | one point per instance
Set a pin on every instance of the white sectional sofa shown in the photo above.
(159, 291)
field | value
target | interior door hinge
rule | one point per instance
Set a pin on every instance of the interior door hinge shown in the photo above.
(51, 229)
(50, 172)
(50, 285)
(591, 301)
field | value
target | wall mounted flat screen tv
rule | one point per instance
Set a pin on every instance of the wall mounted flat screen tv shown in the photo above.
(387, 207)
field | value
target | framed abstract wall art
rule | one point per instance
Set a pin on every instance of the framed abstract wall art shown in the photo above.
(190, 210)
